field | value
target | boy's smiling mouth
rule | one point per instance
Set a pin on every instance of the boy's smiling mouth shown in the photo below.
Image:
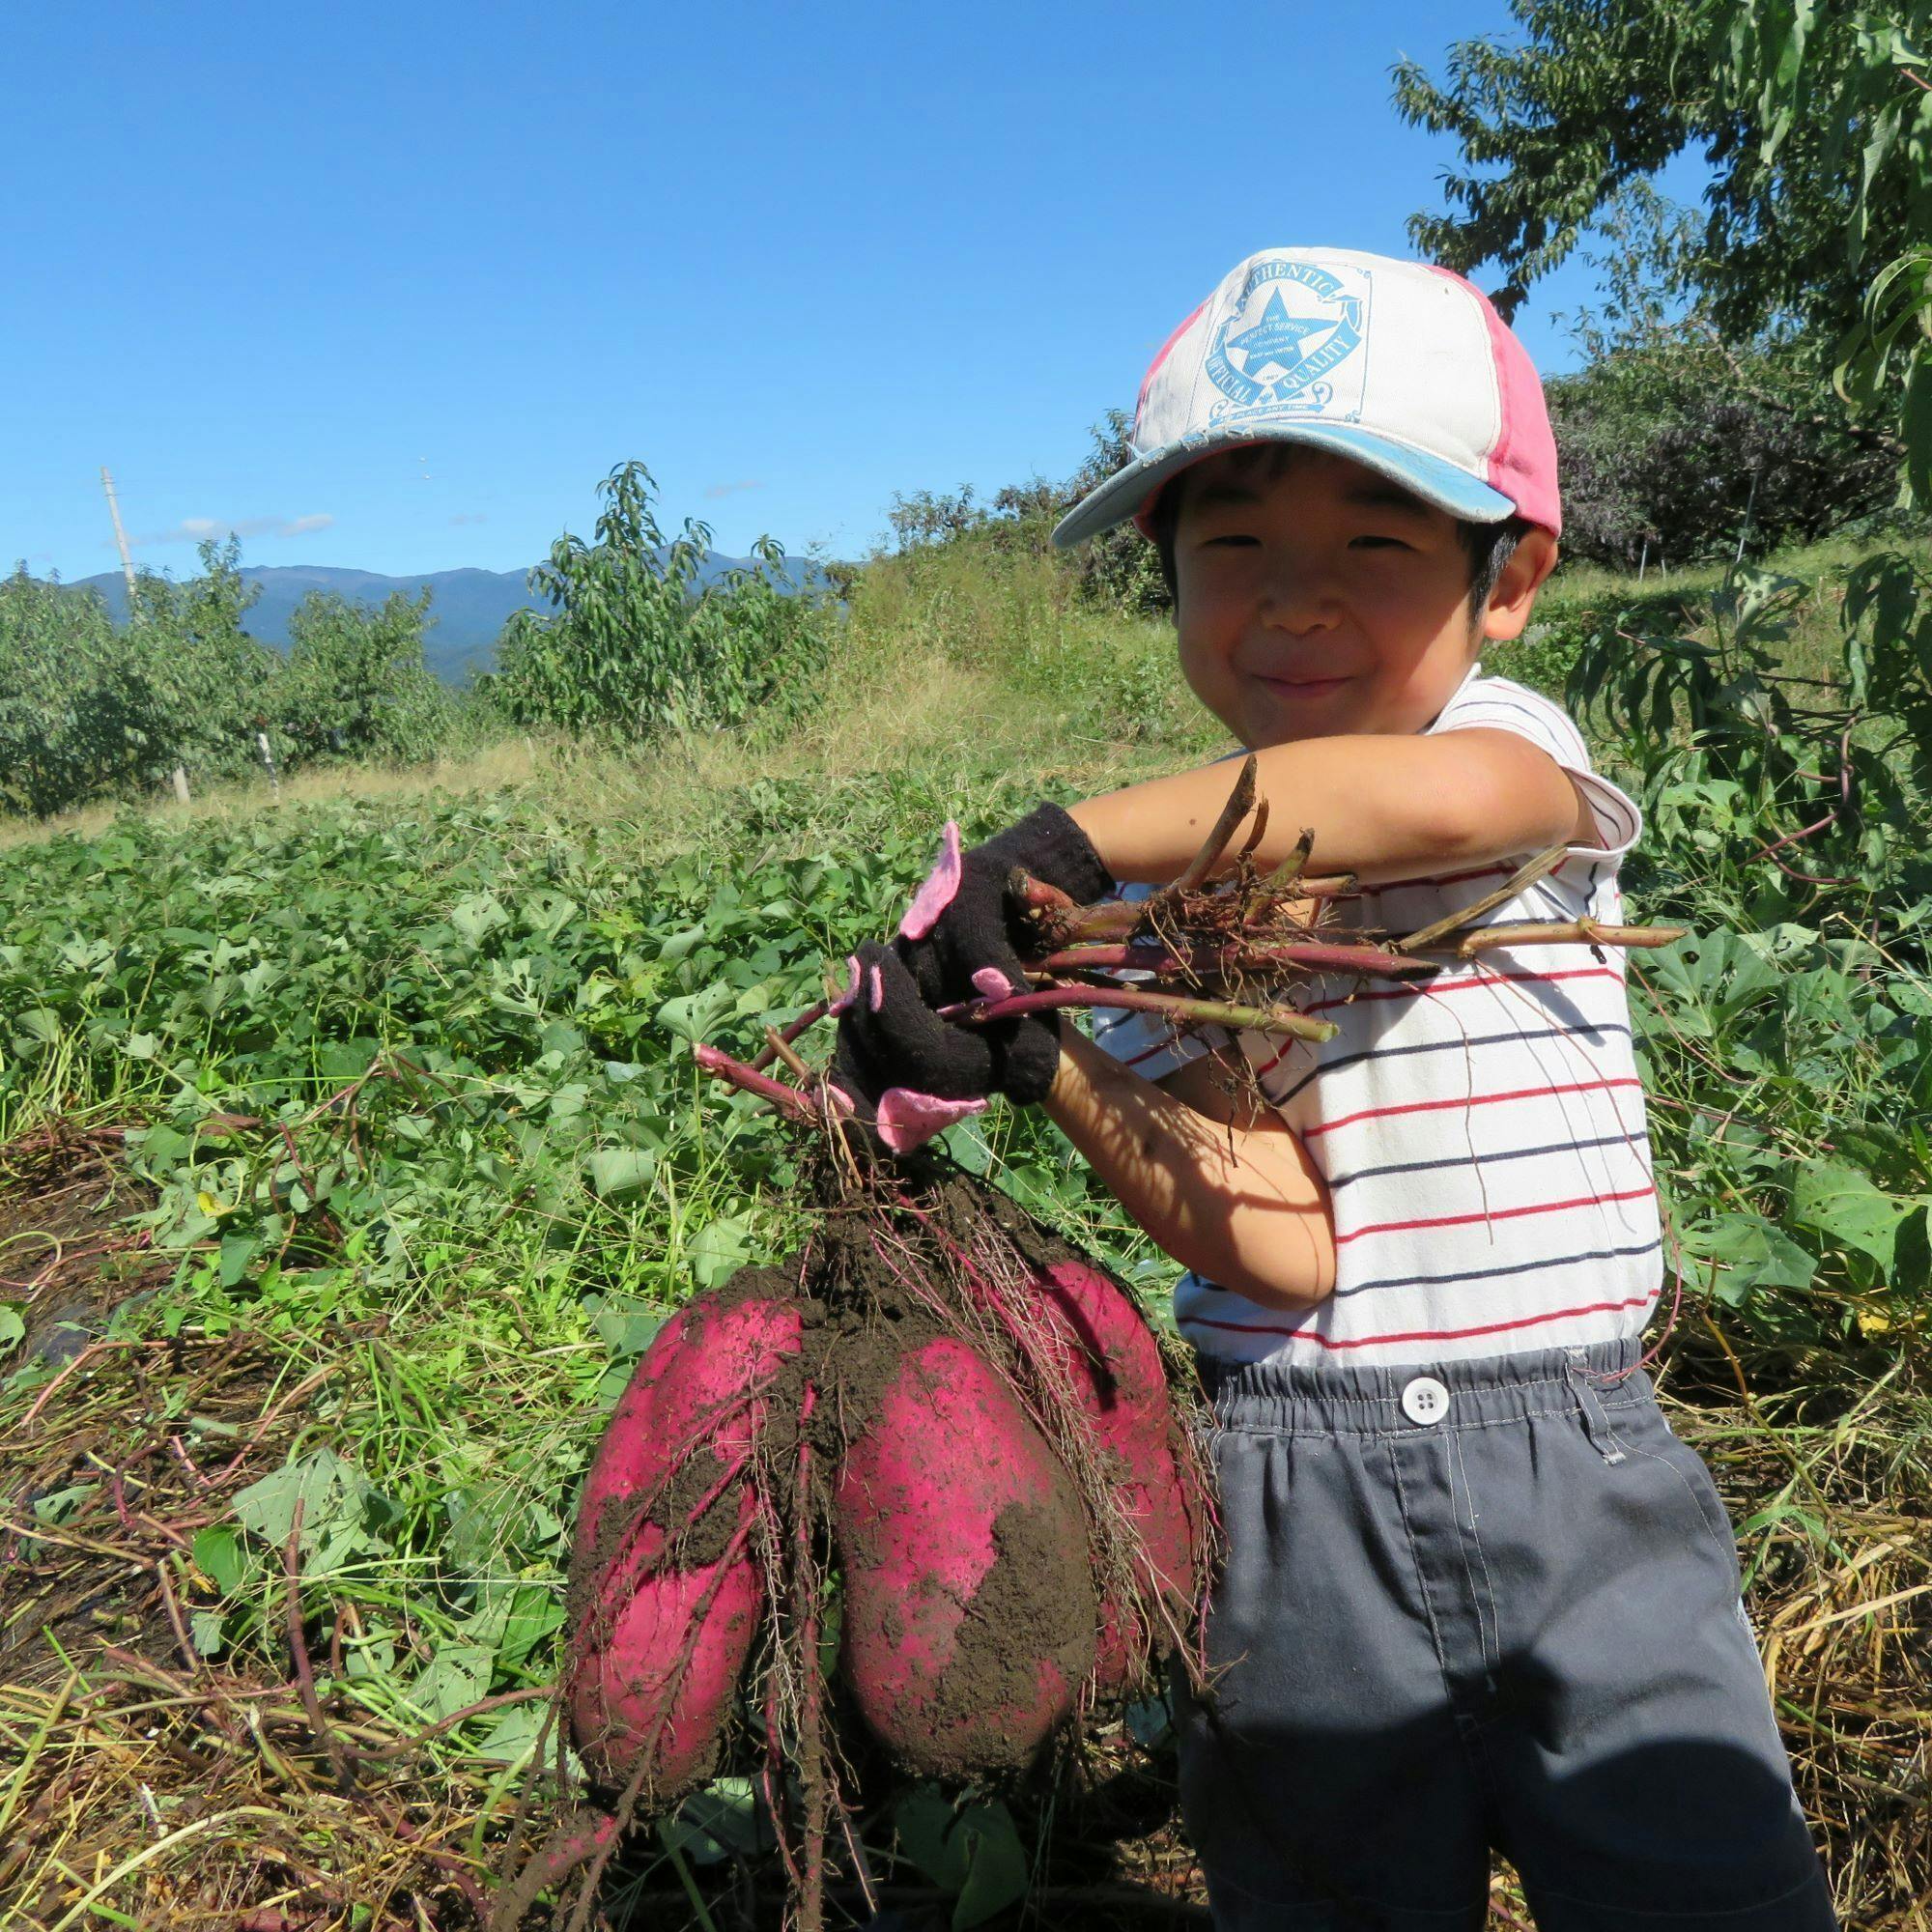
(1302, 684)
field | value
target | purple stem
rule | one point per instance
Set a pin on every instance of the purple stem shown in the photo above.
(1309, 955)
(801, 1105)
(805, 1020)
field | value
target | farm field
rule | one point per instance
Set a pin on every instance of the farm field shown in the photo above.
(352, 1152)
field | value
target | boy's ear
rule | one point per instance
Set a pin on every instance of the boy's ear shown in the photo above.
(1517, 584)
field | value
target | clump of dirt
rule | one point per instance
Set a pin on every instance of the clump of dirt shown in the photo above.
(66, 1250)
(1035, 1604)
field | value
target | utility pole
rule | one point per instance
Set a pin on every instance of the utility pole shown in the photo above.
(179, 774)
(120, 538)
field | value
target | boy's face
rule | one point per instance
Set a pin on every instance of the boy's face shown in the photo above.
(1316, 599)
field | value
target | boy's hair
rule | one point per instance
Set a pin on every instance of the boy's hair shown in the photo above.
(1489, 546)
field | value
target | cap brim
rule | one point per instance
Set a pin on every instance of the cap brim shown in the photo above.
(1433, 478)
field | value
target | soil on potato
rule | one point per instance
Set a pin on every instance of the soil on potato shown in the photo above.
(1036, 1602)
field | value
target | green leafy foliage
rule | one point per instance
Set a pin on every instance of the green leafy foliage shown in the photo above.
(79, 716)
(88, 712)
(1676, 444)
(1116, 570)
(357, 684)
(412, 1092)
(212, 680)
(1817, 139)
(972, 1851)
(633, 647)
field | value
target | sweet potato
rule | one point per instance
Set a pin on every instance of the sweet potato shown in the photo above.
(1117, 1369)
(665, 1591)
(969, 1608)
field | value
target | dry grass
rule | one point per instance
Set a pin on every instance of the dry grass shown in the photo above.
(1827, 1470)
(141, 1784)
(493, 768)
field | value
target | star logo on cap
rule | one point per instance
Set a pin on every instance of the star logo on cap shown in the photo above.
(1268, 354)
(1276, 338)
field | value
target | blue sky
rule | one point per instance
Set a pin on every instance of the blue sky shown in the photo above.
(394, 287)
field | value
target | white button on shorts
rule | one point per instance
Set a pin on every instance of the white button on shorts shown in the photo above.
(1425, 1400)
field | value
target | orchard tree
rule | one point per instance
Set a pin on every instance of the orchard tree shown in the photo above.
(1674, 438)
(357, 684)
(212, 679)
(1119, 566)
(80, 718)
(635, 646)
(1817, 123)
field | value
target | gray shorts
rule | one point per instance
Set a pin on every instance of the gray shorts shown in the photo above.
(1482, 1605)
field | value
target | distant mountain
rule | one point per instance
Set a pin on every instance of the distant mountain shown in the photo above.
(468, 608)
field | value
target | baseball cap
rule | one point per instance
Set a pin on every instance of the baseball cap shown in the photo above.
(1403, 367)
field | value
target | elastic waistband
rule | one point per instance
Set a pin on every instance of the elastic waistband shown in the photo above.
(1293, 1397)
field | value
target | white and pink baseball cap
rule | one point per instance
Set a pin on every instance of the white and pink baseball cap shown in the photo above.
(1402, 366)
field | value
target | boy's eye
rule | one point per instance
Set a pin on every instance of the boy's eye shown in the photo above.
(1229, 540)
(1368, 542)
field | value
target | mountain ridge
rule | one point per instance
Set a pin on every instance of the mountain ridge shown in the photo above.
(467, 610)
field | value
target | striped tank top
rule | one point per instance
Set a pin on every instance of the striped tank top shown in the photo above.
(1481, 1131)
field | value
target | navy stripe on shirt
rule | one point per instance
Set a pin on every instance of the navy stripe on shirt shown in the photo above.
(1496, 1274)
(1587, 1030)
(1336, 1182)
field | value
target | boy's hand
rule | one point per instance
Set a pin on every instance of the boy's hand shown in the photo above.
(909, 1073)
(963, 922)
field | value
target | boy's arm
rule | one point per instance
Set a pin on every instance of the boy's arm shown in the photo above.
(1225, 1189)
(1382, 808)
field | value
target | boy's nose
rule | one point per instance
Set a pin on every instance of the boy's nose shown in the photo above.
(1300, 603)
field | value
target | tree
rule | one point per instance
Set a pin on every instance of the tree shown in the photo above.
(1119, 566)
(634, 646)
(1804, 110)
(80, 718)
(1681, 441)
(1818, 123)
(212, 678)
(357, 684)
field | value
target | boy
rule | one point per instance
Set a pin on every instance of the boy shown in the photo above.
(1477, 1596)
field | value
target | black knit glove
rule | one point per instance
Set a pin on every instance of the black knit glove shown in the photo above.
(960, 940)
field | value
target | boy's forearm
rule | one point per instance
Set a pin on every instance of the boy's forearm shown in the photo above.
(1241, 1206)
(1383, 808)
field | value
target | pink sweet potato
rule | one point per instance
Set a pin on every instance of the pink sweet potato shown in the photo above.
(665, 1591)
(1117, 1370)
(969, 1611)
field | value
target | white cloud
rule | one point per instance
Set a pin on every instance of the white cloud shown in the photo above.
(469, 517)
(198, 530)
(716, 489)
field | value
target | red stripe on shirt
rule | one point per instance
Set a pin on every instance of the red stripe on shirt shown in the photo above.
(1431, 989)
(1423, 1334)
(1494, 1214)
(1464, 1101)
